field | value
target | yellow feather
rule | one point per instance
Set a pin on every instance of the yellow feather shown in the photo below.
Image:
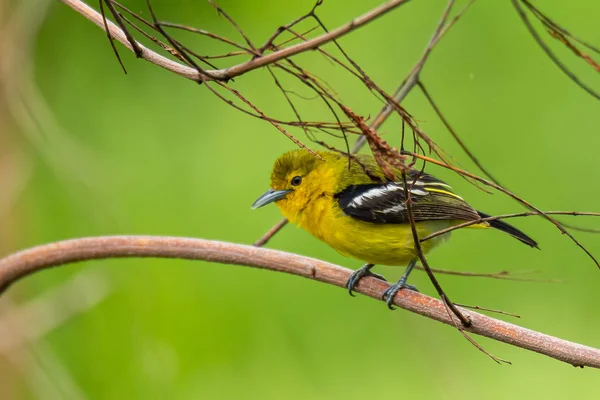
(429, 189)
(313, 206)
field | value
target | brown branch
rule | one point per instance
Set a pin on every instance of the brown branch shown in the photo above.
(236, 70)
(19, 265)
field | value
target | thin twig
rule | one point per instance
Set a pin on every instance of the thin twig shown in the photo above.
(137, 51)
(458, 140)
(579, 228)
(489, 310)
(270, 233)
(511, 195)
(202, 74)
(27, 262)
(465, 321)
(198, 75)
(110, 39)
(232, 22)
(505, 216)
(502, 275)
(271, 40)
(549, 52)
(275, 124)
(411, 80)
(554, 26)
(206, 33)
(461, 330)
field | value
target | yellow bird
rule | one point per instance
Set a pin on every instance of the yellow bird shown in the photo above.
(352, 207)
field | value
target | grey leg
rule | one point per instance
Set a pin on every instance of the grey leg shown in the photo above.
(389, 294)
(357, 275)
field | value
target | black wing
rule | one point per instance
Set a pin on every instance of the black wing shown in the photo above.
(386, 203)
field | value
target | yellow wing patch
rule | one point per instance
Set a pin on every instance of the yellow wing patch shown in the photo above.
(430, 189)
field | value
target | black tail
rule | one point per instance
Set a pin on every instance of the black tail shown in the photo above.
(511, 230)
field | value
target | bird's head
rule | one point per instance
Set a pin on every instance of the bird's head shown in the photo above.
(297, 178)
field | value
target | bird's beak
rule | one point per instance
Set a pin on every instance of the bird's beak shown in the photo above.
(268, 197)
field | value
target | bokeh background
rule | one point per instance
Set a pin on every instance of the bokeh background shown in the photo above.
(87, 150)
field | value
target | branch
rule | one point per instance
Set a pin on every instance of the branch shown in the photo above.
(236, 70)
(24, 263)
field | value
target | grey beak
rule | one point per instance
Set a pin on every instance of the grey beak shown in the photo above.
(268, 197)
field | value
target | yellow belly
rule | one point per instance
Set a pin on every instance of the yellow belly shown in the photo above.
(384, 244)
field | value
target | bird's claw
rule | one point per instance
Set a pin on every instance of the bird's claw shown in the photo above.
(390, 292)
(358, 275)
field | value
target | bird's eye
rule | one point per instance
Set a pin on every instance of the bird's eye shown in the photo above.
(296, 180)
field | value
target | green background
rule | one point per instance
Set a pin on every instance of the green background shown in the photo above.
(152, 153)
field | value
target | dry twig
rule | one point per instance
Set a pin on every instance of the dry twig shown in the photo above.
(236, 70)
(560, 34)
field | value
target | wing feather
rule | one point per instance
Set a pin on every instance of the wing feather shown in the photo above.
(386, 203)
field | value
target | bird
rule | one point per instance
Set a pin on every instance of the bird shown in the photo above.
(349, 203)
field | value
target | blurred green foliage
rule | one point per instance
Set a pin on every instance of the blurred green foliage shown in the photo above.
(156, 154)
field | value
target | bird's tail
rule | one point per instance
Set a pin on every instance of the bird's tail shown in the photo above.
(511, 230)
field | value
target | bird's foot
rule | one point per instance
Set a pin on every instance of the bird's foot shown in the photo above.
(360, 273)
(389, 294)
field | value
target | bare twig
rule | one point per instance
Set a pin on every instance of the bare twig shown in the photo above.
(206, 33)
(270, 41)
(236, 70)
(550, 24)
(112, 43)
(462, 331)
(489, 310)
(549, 53)
(458, 140)
(232, 22)
(27, 262)
(413, 77)
(270, 233)
(465, 321)
(511, 195)
(275, 124)
(505, 216)
(502, 275)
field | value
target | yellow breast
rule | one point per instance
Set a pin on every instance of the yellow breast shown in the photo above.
(386, 244)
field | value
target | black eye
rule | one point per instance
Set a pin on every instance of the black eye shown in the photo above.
(296, 180)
